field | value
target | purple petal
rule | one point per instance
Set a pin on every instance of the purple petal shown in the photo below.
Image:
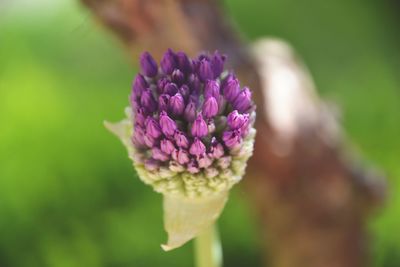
(231, 138)
(217, 62)
(148, 65)
(147, 101)
(151, 164)
(192, 167)
(153, 128)
(236, 120)
(184, 63)
(163, 102)
(178, 77)
(199, 127)
(170, 89)
(197, 148)
(205, 71)
(243, 101)
(181, 139)
(167, 146)
(168, 126)
(158, 154)
(210, 107)
(211, 89)
(231, 89)
(177, 104)
(168, 62)
(204, 161)
(139, 85)
(190, 111)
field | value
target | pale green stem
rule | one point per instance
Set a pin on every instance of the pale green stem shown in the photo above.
(208, 251)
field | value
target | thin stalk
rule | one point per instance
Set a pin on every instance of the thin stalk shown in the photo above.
(208, 250)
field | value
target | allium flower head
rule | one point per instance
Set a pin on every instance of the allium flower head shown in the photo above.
(194, 114)
(189, 132)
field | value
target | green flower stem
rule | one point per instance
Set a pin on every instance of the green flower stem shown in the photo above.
(208, 250)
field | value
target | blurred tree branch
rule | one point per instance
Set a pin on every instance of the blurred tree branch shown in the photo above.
(312, 199)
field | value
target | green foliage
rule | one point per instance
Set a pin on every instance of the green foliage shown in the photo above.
(68, 193)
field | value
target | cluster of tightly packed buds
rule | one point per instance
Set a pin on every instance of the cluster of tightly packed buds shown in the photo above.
(192, 124)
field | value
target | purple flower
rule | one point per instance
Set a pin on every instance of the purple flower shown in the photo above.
(205, 71)
(199, 127)
(231, 89)
(217, 150)
(139, 85)
(190, 111)
(158, 154)
(197, 148)
(177, 104)
(153, 128)
(181, 139)
(231, 138)
(168, 62)
(210, 107)
(204, 161)
(193, 167)
(147, 101)
(178, 77)
(185, 118)
(181, 156)
(217, 64)
(167, 146)
(148, 65)
(163, 102)
(140, 116)
(211, 89)
(170, 88)
(243, 100)
(236, 120)
(168, 126)
(184, 63)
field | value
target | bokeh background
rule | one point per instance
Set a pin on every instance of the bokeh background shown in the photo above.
(68, 193)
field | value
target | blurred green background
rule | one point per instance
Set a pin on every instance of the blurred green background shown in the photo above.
(68, 193)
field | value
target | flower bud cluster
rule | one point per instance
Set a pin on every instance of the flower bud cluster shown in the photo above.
(192, 124)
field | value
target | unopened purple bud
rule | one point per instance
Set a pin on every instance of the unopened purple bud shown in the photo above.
(217, 62)
(210, 107)
(140, 117)
(178, 77)
(228, 78)
(168, 62)
(231, 138)
(181, 156)
(205, 71)
(149, 141)
(177, 104)
(243, 101)
(139, 85)
(192, 167)
(168, 126)
(216, 150)
(151, 164)
(190, 111)
(161, 83)
(148, 65)
(194, 83)
(170, 89)
(163, 102)
(199, 127)
(197, 148)
(184, 63)
(231, 89)
(153, 128)
(147, 101)
(204, 161)
(181, 139)
(184, 91)
(211, 89)
(236, 120)
(138, 136)
(167, 146)
(158, 154)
